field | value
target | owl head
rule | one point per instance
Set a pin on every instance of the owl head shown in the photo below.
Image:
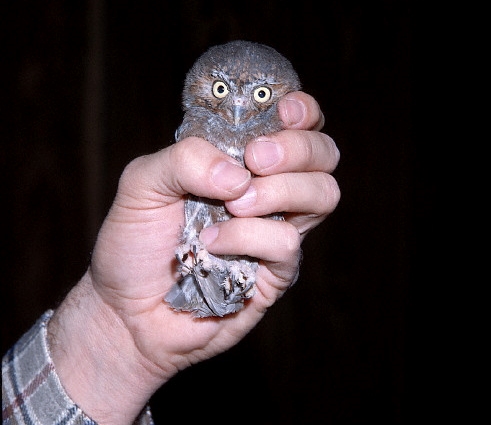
(239, 81)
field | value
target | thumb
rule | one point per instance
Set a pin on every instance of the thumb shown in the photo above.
(190, 166)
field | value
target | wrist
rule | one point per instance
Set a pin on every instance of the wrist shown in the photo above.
(96, 359)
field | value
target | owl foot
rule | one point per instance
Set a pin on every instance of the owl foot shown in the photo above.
(242, 276)
(210, 285)
(190, 254)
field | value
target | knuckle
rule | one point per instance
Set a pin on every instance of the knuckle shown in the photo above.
(292, 240)
(329, 195)
(131, 171)
(308, 149)
(332, 193)
(180, 152)
(334, 153)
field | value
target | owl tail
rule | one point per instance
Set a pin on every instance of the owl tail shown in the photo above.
(202, 295)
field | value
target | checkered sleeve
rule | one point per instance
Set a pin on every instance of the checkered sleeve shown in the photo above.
(31, 390)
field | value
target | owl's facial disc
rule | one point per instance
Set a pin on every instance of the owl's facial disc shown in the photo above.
(238, 101)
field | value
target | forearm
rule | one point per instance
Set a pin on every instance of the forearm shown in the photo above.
(96, 359)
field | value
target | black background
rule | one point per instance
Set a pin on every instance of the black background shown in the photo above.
(93, 84)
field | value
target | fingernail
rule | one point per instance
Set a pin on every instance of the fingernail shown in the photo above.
(230, 176)
(293, 112)
(208, 235)
(247, 200)
(265, 153)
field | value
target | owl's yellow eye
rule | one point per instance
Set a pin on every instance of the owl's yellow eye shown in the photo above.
(262, 94)
(220, 89)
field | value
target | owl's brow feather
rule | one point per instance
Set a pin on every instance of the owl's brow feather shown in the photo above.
(253, 80)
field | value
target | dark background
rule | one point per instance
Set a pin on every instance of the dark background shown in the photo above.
(93, 84)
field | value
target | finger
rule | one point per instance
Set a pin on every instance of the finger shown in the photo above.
(269, 240)
(190, 166)
(299, 110)
(275, 243)
(292, 151)
(314, 194)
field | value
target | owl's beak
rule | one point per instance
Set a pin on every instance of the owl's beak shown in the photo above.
(238, 111)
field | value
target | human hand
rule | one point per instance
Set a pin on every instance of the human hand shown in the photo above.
(119, 300)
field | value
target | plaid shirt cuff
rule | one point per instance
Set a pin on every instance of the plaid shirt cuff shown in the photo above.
(31, 390)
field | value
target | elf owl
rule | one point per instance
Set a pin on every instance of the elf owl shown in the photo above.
(230, 97)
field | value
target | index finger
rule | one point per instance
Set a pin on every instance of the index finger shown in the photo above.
(298, 110)
(292, 151)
